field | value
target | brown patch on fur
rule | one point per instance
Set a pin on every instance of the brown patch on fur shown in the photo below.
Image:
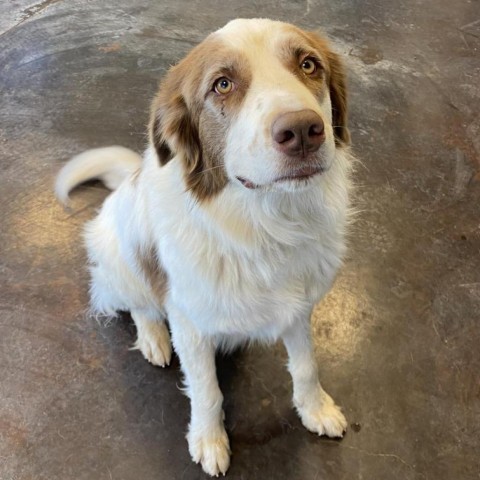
(190, 120)
(293, 52)
(152, 271)
(296, 48)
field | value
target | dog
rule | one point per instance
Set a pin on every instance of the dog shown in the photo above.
(232, 225)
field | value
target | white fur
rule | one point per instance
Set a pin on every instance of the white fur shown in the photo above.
(110, 165)
(244, 265)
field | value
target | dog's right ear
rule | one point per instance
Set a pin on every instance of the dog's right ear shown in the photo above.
(172, 127)
(157, 138)
(175, 124)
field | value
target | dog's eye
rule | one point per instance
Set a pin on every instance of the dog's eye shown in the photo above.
(223, 86)
(309, 66)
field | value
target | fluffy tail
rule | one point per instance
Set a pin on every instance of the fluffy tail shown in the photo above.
(111, 165)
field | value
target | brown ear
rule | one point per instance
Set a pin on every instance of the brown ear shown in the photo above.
(338, 97)
(172, 127)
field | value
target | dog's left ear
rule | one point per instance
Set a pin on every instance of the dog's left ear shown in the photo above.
(338, 97)
(337, 88)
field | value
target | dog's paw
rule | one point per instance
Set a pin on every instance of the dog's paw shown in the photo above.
(211, 450)
(323, 417)
(153, 341)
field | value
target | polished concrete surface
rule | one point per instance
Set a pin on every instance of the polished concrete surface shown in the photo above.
(397, 339)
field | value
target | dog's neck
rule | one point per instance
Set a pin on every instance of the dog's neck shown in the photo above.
(252, 218)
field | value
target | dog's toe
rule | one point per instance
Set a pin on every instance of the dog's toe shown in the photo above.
(154, 342)
(211, 450)
(324, 417)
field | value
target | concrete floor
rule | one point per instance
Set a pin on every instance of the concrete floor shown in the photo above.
(398, 337)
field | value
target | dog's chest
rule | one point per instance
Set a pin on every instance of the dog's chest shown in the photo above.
(250, 274)
(250, 295)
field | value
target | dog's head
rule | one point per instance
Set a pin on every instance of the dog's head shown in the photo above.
(261, 104)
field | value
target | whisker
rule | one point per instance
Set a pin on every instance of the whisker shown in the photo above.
(209, 169)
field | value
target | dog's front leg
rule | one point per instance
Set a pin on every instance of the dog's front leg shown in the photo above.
(316, 408)
(207, 438)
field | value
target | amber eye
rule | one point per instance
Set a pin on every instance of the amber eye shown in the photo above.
(223, 86)
(309, 66)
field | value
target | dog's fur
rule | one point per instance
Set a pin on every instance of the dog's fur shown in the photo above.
(207, 232)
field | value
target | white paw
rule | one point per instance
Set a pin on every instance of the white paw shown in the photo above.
(153, 340)
(322, 416)
(211, 450)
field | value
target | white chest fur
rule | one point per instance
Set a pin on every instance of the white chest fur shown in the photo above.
(246, 264)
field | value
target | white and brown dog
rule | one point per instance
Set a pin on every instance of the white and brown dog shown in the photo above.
(232, 225)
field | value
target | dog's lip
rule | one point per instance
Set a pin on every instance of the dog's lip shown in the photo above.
(303, 173)
(247, 183)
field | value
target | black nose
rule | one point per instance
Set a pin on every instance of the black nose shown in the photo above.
(298, 133)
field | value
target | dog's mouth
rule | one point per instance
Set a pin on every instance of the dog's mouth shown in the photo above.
(301, 174)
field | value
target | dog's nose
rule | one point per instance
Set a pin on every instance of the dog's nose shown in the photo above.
(298, 133)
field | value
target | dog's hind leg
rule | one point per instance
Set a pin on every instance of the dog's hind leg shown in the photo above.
(153, 339)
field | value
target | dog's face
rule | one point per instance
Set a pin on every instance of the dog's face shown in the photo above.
(261, 104)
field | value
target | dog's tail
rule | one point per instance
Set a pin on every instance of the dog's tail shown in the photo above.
(111, 165)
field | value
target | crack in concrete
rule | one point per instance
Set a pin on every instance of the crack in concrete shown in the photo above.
(386, 455)
(31, 12)
(37, 8)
